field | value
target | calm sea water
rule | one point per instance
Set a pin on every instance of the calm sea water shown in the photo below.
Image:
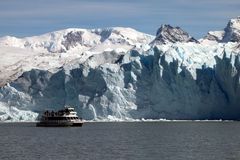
(120, 141)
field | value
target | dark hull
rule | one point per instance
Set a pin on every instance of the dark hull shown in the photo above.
(59, 124)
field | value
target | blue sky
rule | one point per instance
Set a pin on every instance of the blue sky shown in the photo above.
(33, 17)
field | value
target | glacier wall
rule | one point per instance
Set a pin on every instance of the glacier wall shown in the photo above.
(128, 86)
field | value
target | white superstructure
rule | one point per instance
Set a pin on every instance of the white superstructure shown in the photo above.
(65, 117)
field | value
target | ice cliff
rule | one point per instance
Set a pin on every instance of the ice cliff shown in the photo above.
(171, 76)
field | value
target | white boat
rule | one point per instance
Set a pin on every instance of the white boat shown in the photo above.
(62, 118)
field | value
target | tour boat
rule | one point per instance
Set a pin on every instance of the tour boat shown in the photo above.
(66, 117)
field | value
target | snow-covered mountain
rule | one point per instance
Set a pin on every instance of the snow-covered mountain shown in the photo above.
(122, 74)
(53, 50)
(79, 40)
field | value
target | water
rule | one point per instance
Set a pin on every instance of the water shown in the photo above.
(120, 141)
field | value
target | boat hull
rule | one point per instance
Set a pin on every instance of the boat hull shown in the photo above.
(59, 124)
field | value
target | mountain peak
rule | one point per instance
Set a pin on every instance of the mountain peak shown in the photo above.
(168, 34)
(231, 32)
(234, 23)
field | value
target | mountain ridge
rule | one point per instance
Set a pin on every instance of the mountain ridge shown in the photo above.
(121, 74)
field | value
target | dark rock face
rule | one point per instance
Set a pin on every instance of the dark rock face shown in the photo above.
(72, 39)
(167, 33)
(232, 31)
(105, 34)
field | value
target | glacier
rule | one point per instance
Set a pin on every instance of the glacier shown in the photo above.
(123, 76)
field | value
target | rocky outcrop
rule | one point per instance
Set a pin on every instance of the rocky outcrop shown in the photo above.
(231, 33)
(168, 34)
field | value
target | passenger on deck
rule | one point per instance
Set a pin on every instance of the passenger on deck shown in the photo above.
(52, 113)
